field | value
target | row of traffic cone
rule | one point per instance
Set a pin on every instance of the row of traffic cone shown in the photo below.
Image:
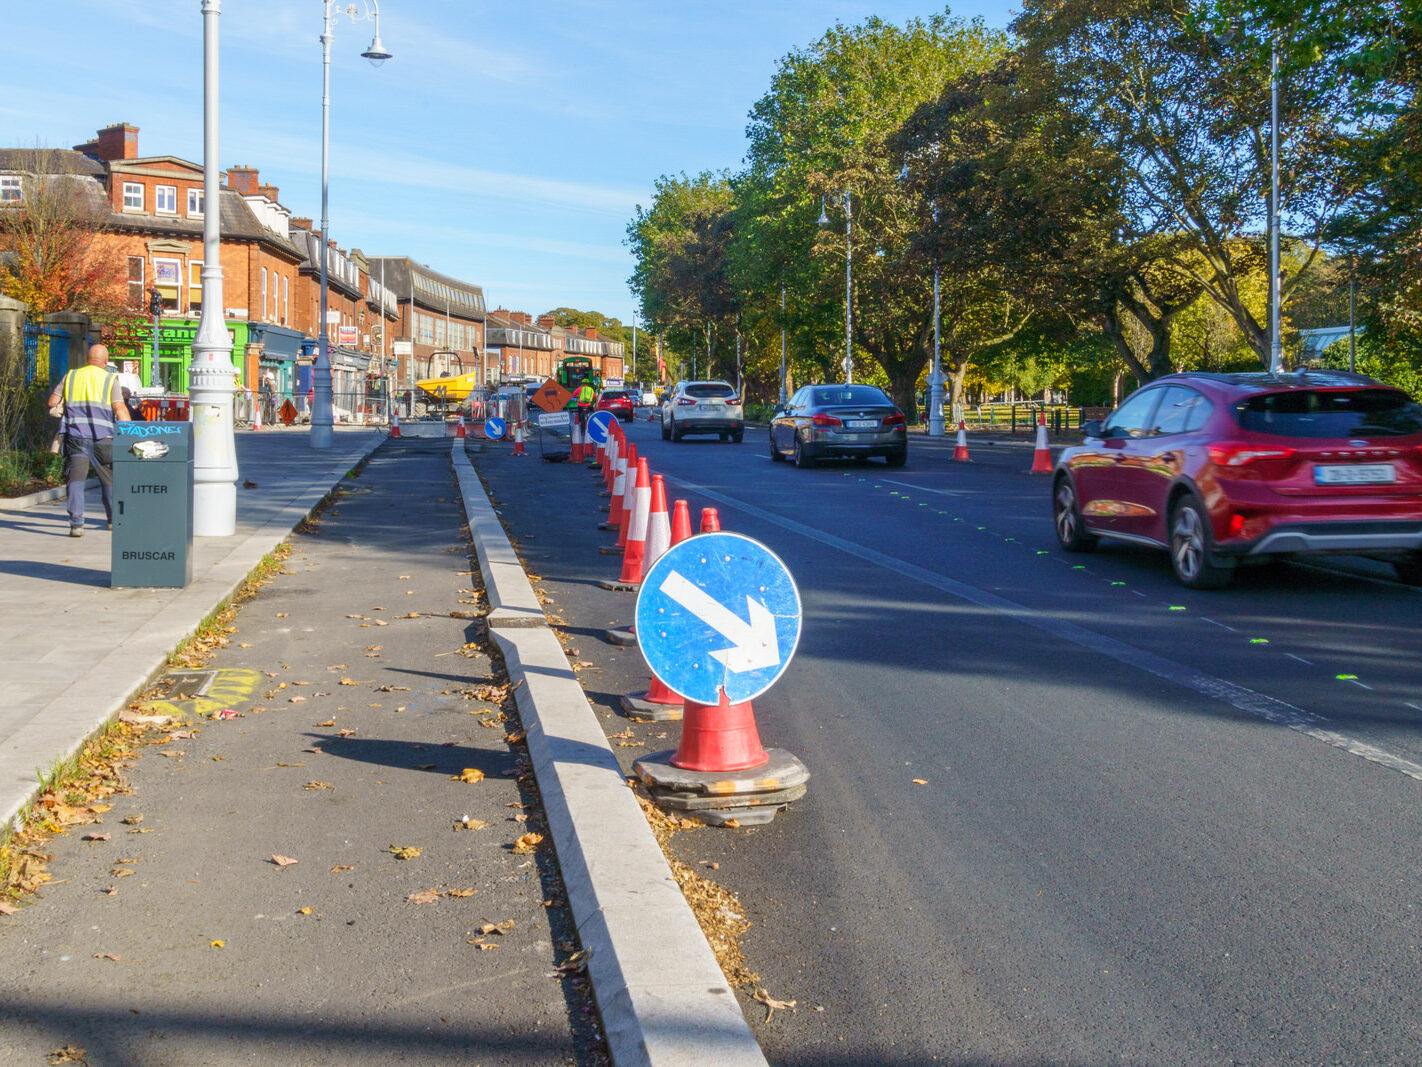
(1041, 454)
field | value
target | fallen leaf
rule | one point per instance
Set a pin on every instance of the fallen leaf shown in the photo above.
(467, 823)
(342, 867)
(405, 852)
(283, 861)
(462, 892)
(318, 785)
(345, 733)
(496, 928)
(328, 722)
(424, 896)
(920, 781)
(283, 614)
(95, 837)
(217, 944)
(348, 681)
(527, 844)
(483, 946)
(170, 753)
(305, 911)
(182, 735)
(6, 908)
(295, 700)
(771, 1003)
(302, 764)
(469, 774)
(108, 956)
(68, 1054)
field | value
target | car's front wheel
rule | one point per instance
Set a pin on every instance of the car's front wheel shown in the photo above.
(803, 459)
(666, 431)
(775, 454)
(1190, 548)
(1066, 517)
(897, 459)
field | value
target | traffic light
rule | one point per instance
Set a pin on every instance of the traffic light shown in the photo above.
(155, 302)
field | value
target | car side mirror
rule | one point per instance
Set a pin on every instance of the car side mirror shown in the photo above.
(1091, 428)
(779, 409)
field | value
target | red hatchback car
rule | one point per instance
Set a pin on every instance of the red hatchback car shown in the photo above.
(1224, 469)
(621, 402)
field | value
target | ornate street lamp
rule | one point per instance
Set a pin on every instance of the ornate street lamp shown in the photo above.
(322, 400)
(212, 379)
(848, 282)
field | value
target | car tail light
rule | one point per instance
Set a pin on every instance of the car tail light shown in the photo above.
(896, 419)
(825, 420)
(1234, 526)
(685, 401)
(1240, 454)
(733, 400)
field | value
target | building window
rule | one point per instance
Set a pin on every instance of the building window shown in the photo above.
(165, 199)
(133, 196)
(10, 192)
(425, 325)
(194, 286)
(285, 301)
(264, 294)
(167, 277)
(135, 283)
(195, 203)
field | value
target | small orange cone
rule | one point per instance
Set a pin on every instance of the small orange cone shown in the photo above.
(519, 450)
(1042, 456)
(680, 522)
(710, 521)
(658, 526)
(629, 494)
(641, 508)
(722, 737)
(457, 430)
(257, 415)
(394, 423)
(960, 454)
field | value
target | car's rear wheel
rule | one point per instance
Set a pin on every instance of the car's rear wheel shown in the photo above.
(803, 459)
(1191, 554)
(1066, 517)
(1409, 569)
(738, 435)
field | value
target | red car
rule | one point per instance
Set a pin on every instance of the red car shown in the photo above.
(1224, 469)
(621, 402)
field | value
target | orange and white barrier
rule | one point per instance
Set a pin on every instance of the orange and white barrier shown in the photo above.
(1041, 455)
(636, 547)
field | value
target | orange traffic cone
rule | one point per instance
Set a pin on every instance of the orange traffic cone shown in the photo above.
(710, 521)
(680, 522)
(1042, 456)
(256, 413)
(720, 737)
(960, 454)
(577, 450)
(609, 472)
(619, 487)
(519, 450)
(394, 423)
(658, 526)
(641, 510)
(629, 495)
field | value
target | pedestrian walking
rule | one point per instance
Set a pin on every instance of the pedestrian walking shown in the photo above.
(267, 395)
(93, 402)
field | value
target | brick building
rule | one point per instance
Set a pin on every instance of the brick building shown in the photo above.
(441, 317)
(524, 347)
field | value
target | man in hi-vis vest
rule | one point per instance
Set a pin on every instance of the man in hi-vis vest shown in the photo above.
(93, 402)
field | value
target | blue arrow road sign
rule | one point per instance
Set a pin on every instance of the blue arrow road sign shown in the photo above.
(718, 611)
(494, 428)
(599, 426)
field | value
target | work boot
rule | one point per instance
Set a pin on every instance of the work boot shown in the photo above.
(76, 531)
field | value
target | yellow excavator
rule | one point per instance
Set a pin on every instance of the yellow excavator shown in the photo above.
(441, 394)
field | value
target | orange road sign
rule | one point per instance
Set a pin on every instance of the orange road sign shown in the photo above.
(551, 396)
(288, 413)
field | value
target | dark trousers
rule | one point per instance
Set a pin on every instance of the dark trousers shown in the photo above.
(80, 454)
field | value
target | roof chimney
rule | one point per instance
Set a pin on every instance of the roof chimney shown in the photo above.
(242, 179)
(301, 224)
(119, 141)
(269, 191)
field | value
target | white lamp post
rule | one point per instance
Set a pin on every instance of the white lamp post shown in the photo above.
(848, 283)
(1276, 342)
(322, 400)
(211, 376)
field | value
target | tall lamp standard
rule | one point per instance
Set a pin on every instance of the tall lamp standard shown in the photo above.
(848, 282)
(212, 379)
(322, 400)
(935, 376)
(1276, 342)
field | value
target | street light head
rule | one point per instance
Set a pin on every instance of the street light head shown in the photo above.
(376, 52)
(824, 215)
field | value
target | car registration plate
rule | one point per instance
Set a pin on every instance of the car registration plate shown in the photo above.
(863, 424)
(1354, 474)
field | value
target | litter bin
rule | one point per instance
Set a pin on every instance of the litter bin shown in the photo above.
(153, 504)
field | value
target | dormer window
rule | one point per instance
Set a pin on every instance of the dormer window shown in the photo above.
(133, 196)
(195, 201)
(10, 192)
(165, 199)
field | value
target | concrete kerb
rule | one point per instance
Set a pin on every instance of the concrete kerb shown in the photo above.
(661, 994)
(59, 730)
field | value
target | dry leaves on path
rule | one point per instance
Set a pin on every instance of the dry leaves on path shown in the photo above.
(771, 1003)
(405, 852)
(527, 845)
(283, 861)
(469, 774)
(424, 896)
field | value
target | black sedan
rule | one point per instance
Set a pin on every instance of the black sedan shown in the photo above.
(821, 421)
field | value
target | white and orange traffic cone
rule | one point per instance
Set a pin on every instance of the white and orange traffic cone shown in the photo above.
(257, 414)
(659, 703)
(960, 454)
(629, 495)
(576, 455)
(458, 428)
(1042, 455)
(394, 423)
(519, 450)
(609, 472)
(619, 490)
(637, 512)
(659, 539)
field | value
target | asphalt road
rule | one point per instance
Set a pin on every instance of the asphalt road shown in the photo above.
(1149, 825)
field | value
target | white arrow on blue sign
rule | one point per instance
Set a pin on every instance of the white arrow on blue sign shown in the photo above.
(599, 426)
(718, 611)
(494, 428)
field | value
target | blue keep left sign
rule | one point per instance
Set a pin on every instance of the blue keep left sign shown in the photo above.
(718, 611)
(494, 428)
(599, 426)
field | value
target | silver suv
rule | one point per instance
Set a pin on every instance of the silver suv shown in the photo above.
(703, 407)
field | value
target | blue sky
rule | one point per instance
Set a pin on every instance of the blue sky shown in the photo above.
(506, 144)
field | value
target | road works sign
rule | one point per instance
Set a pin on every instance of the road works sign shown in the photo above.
(551, 396)
(718, 611)
(494, 428)
(599, 426)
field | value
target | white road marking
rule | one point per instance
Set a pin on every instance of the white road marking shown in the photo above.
(925, 489)
(1307, 662)
(1221, 625)
(1263, 707)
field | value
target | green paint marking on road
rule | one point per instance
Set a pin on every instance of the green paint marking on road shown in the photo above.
(1118, 583)
(1079, 567)
(1177, 607)
(1346, 677)
(1258, 640)
(982, 527)
(923, 505)
(1043, 552)
(1009, 539)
